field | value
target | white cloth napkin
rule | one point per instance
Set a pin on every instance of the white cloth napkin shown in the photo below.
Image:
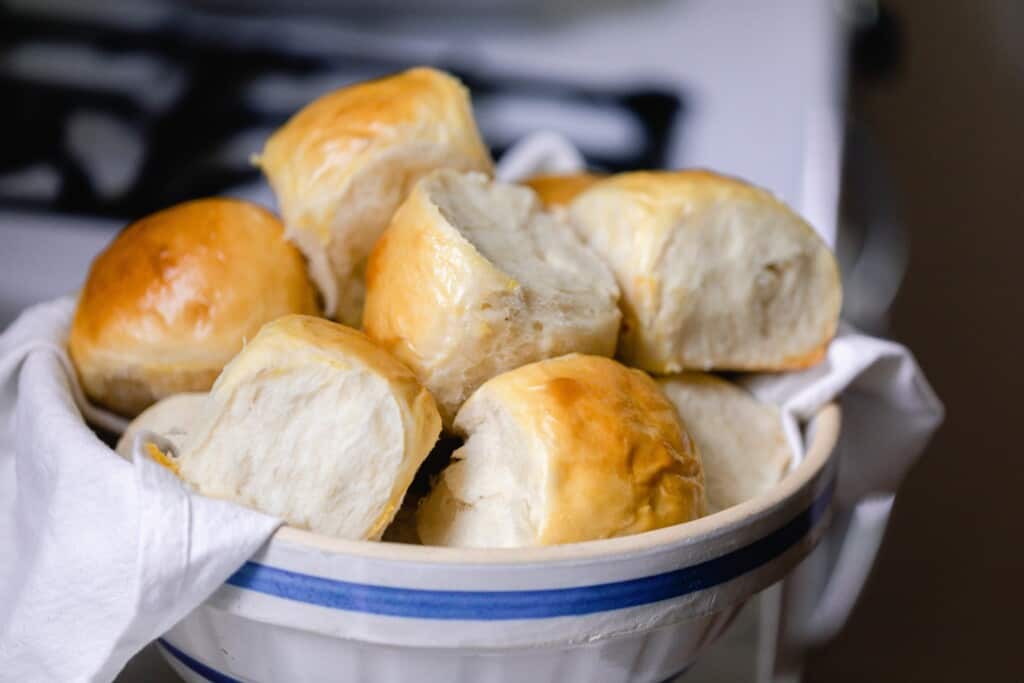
(99, 556)
(889, 410)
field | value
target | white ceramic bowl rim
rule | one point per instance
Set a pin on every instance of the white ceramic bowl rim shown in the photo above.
(688, 570)
(510, 607)
(822, 434)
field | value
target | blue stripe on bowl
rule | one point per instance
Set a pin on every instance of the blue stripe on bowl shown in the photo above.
(195, 665)
(530, 604)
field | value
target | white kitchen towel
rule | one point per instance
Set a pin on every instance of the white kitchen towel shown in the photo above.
(889, 410)
(99, 556)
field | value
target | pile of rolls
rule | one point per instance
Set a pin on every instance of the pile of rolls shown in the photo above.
(556, 338)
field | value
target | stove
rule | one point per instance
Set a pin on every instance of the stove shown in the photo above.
(116, 121)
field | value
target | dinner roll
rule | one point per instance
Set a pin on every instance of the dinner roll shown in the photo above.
(560, 190)
(173, 297)
(472, 279)
(567, 449)
(341, 166)
(315, 424)
(715, 273)
(171, 418)
(741, 441)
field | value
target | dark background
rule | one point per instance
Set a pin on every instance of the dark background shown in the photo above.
(945, 599)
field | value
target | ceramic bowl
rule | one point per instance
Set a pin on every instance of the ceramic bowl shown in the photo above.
(638, 608)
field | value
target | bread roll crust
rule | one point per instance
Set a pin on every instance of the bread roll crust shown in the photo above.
(274, 435)
(593, 448)
(174, 296)
(341, 165)
(560, 190)
(460, 299)
(715, 273)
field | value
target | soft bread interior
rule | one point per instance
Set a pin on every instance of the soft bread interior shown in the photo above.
(363, 212)
(492, 495)
(715, 273)
(318, 447)
(506, 225)
(559, 296)
(307, 424)
(741, 440)
(746, 278)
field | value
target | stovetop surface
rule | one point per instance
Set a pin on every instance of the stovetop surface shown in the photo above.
(116, 120)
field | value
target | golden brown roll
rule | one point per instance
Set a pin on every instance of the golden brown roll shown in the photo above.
(314, 423)
(341, 166)
(472, 279)
(560, 190)
(569, 449)
(714, 273)
(174, 296)
(741, 440)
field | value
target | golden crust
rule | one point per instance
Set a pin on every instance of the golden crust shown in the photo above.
(619, 461)
(171, 300)
(416, 254)
(456, 315)
(341, 165)
(656, 228)
(560, 190)
(279, 338)
(162, 458)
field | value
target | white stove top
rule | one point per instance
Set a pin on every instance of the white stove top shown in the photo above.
(761, 85)
(763, 81)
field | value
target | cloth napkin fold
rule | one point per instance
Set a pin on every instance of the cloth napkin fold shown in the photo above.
(889, 411)
(98, 556)
(101, 555)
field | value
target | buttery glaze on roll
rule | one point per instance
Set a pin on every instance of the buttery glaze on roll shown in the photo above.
(472, 279)
(342, 165)
(314, 423)
(559, 190)
(173, 297)
(569, 449)
(715, 273)
(741, 440)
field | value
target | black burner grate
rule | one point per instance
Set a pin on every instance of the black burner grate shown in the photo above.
(113, 120)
